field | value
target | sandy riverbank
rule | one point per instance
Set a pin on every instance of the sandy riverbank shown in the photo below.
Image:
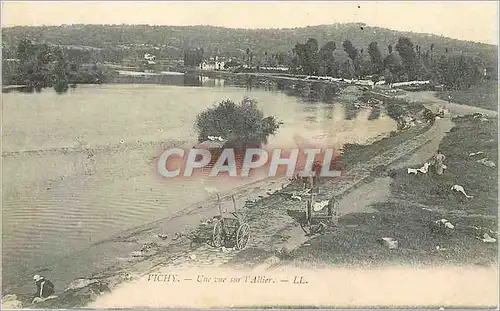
(306, 288)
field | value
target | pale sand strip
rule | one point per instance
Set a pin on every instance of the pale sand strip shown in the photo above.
(339, 287)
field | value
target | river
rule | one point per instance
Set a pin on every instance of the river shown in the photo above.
(80, 167)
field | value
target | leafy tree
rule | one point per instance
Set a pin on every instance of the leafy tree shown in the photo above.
(312, 45)
(327, 60)
(405, 50)
(350, 49)
(311, 53)
(388, 76)
(301, 57)
(25, 50)
(352, 52)
(281, 58)
(457, 71)
(346, 69)
(376, 58)
(193, 57)
(392, 65)
(307, 56)
(364, 65)
(243, 124)
(34, 65)
(295, 60)
(41, 66)
(60, 72)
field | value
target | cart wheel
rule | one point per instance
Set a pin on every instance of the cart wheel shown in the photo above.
(217, 234)
(242, 236)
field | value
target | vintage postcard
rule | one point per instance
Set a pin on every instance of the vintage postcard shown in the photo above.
(249, 154)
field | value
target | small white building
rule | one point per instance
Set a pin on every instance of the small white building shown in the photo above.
(150, 59)
(219, 65)
(207, 65)
(212, 64)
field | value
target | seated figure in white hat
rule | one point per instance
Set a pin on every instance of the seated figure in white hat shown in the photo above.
(44, 287)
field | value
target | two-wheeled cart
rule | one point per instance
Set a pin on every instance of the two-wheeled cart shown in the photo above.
(319, 215)
(327, 213)
(230, 230)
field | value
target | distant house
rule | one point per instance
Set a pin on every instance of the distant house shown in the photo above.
(219, 65)
(150, 59)
(214, 63)
(207, 65)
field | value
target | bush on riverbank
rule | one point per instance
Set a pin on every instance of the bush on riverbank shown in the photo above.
(241, 125)
(41, 66)
(398, 109)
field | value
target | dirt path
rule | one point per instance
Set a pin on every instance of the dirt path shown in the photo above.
(455, 109)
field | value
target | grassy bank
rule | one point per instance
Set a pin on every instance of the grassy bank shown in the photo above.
(356, 241)
(470, 135)
(415, 203)
(484, 95)
(353, 154)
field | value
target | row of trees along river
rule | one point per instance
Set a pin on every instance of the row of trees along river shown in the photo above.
(42, 65)
(405, 62)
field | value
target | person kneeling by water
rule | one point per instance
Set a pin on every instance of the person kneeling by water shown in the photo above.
(44, 288)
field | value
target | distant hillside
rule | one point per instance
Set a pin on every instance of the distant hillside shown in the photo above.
(170, 41)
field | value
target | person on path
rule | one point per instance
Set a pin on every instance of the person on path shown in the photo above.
(439, 158)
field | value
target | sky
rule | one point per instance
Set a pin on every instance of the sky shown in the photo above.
(473, 20)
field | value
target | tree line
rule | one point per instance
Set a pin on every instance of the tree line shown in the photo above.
(168, 42)
(40, 66)
(405, 62)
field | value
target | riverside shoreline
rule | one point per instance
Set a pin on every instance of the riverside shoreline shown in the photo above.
(111, 262)
(278, 235)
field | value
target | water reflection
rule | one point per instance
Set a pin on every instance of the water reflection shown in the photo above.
(311, 93)
(351, 111)
(375, 113)
(328, 112)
